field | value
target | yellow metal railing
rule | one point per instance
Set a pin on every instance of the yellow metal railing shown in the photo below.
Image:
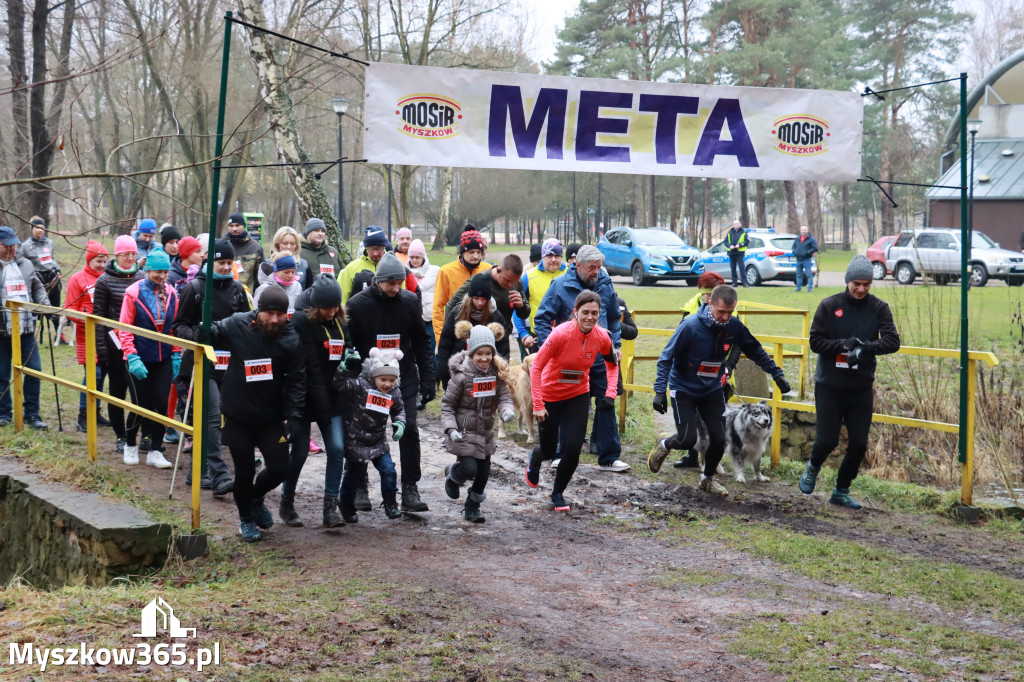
(200, 351)
(777, 345)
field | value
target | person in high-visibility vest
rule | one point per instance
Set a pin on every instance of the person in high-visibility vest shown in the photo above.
(736, 244)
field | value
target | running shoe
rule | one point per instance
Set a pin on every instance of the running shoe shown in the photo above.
(262, 515)
(616, 466)
(658, 454)
(558, 502)
(249, 531)
(841, 497)
(710, 485)
(532, 476)
(809, 479)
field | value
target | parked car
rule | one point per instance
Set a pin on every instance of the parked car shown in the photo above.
(769, 257)
(649, 254)
(935, 252)
(876, 254)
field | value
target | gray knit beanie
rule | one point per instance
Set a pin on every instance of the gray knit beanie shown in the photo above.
(859, 268)
(479, 336)
(314, 224)
(389, 269)
(325, 292)
(383, 362)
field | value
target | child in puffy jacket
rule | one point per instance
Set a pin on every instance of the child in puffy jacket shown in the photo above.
(478, 388)
(366, 401)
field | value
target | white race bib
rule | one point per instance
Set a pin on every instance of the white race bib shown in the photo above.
(17, 290)
(326, 269)
(378, 402)
(223, 359)
(45, 258)
(259, 370)
(708, 369)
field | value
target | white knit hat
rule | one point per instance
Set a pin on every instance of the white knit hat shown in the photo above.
(383, 362)
(480, 336)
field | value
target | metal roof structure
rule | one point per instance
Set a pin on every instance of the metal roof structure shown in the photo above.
(998, 172)
(1009, 74)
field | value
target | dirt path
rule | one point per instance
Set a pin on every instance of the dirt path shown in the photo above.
(577, 585)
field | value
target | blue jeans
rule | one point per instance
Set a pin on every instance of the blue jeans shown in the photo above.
(803, 266)
(355, 474)
(605, 433)
(101, 374)
(334, 443)
(30, 359)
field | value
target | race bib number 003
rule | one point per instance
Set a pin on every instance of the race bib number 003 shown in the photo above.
(388, 341)
(484, 387)
(259, 370)
(378, 402)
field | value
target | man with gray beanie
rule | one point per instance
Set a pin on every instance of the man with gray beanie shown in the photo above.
(321, 256)
(386, 316)
(849, 329)
(557, 307)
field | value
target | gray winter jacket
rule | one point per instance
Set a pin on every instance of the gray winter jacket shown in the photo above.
(473, 416)
(366, 431)
(40, 253)
(36, 293)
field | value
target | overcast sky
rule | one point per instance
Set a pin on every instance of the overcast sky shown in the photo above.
(546, 18)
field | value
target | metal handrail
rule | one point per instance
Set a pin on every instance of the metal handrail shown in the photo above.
(200, 351)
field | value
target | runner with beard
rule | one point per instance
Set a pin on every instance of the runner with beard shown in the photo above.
(262, 399)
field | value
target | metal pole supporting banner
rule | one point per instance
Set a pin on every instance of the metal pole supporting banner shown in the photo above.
(389, 202)
(341, 192)
(965, 279)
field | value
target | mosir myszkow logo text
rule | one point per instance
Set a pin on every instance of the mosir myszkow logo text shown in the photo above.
(429, 115)
(158, 620)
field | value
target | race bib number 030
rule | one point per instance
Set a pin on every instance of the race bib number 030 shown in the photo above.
(389, 341)
(378, 402)
(259, 370)
(484, 387)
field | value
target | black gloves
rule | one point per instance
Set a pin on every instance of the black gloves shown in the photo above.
(783, 384)
(295, 430)
(661, 403)
(428, 393)
(605, 403)
(852, 343)
(854, 357)
(353, 363)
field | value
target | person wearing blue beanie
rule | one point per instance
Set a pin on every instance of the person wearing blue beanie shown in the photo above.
(144, 238)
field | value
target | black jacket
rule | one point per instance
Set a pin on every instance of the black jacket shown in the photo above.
(372, 313)
(107, 298)
(840, 317)
(228, 298)
(626, 323)
(451, 342)
(178, 274)
(260, 402)
(320, 368)
(366, 431)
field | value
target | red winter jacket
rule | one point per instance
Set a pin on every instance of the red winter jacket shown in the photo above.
(562, 367)
(79, 297)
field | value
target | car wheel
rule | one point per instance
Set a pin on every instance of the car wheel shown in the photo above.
(753, 277)
(691, 282)
(639, 279)
(1015, 281)
(878, 269)
(905, 273)
(979, 275)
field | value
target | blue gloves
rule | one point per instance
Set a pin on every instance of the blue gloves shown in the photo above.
(137, 367)
(399, 430)
(175, 365)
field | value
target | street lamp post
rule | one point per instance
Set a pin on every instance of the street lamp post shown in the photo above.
(973, 126)
(340, 105)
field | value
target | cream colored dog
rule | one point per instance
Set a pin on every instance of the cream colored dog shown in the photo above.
(519, 382)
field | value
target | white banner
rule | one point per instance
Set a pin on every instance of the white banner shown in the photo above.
(419, 115)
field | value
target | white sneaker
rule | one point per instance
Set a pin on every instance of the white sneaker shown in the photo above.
(155, 458)
(131, 454)
(617, 465)
(555, 462)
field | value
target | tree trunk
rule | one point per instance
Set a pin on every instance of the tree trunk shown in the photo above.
(652, 203)
(19, 99)
(846, 217)
(792, 217)
(762, 208)
(744, 209)
(813, 211)
(706, 240)
(440, 237)
(691, 211)
(312, 198)
(675, 206)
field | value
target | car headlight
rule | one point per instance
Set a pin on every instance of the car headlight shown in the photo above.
(998, 261)
(655, 256)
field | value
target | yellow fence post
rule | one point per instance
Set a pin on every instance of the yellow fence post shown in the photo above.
(625, 366)
(967, 468)
(90, 386)
(198, 415)
(16, 365)
(777, 412)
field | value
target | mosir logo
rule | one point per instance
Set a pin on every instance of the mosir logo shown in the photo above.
(800, 135)
(429, 116)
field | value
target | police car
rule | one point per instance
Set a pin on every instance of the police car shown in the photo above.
(769, 257)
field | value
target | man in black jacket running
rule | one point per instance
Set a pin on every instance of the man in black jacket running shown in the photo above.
(849, 329)
(386, 316)
(262, 398)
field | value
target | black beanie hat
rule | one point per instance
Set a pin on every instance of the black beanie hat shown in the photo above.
(480, 285)
(274, 298)
(535, 252)
(236, 218)
(169, 234)
(222, 250)
(572, 250)
(325, 292)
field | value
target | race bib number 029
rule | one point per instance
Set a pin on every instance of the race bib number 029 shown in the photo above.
(378, 402)
(388, 341)
(484, 387)
(259, 370)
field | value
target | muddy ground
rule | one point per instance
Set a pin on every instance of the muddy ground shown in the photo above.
(586, 586)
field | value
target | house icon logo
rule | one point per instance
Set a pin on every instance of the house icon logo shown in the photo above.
(158, 614)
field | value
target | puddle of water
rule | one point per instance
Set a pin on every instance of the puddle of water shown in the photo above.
(999, 495)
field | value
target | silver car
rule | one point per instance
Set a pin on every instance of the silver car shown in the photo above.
(769, 257)
(935, 251)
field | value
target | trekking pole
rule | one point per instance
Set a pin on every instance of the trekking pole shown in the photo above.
(53, 369)
(181, 441)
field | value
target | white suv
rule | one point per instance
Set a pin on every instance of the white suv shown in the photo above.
(935, 252)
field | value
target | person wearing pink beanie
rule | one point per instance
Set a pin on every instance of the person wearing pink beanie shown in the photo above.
(125, 244)
(403, 240)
